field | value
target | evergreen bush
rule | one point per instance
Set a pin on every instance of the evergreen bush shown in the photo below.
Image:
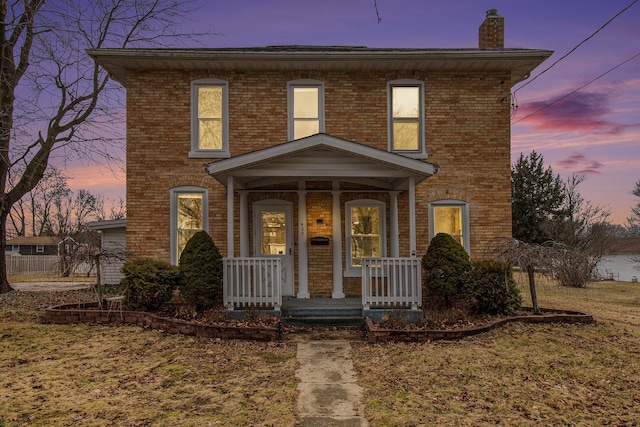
(148, 283)
(201, 270)
(445, 265)
(493, 289)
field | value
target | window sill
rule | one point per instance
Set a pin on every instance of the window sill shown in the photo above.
(209, 155)
(419, 156)
(352, 273)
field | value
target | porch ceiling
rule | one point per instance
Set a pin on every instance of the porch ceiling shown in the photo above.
(321, 157)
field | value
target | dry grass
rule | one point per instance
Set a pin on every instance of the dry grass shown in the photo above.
(90, 375)
(50, 278)
(519, 375)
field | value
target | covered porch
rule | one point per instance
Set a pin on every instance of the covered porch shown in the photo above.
(290, 215)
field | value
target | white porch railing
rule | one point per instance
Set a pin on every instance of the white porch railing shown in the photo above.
(391, 282)
(252, 282)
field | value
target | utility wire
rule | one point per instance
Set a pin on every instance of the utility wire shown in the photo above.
(577, 89)
(577, 46)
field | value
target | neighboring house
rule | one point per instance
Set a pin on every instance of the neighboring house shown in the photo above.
(622, 261)
(330, 161)
(34, 245)
(112, 246)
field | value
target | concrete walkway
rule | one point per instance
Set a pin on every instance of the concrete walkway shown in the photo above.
(327, 393)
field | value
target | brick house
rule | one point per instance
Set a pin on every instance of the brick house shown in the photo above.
(317, 169)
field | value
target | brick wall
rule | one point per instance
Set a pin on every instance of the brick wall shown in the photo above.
(467, 136)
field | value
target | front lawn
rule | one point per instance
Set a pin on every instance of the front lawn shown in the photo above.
(94, 375)
(518, 375)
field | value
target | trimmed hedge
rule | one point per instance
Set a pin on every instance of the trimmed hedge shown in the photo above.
(493, 289)
(148, 283)
(445, 264)
(201, 269)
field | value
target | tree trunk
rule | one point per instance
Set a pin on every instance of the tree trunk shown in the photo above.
(4, 283)
(532, 288)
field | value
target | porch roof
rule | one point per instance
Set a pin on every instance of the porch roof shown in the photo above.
(321, 157)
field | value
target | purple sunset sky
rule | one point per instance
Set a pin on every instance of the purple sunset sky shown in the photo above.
(596, 130)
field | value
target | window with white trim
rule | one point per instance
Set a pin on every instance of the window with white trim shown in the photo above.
(406, 117)
(39, 249)
(365, 231)
(450, 217)
(305, 106)
(188, 216)
(209, 119)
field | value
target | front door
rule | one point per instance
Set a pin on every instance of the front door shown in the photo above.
(273, 236)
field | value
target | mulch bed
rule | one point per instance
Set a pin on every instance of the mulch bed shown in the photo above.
(74, 306)
(377, 332)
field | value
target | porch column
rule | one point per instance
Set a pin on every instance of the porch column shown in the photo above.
(393, 227)
(244, 225)
(303, 273)
(412, 217)
(338, 291)
(230, 249)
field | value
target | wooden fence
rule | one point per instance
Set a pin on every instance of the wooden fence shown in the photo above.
(40, 264)
(32, 264)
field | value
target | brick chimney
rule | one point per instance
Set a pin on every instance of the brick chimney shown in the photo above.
(491, 32)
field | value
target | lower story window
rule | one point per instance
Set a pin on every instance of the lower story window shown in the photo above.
(365, 231)
(450, 217)
(188, 216)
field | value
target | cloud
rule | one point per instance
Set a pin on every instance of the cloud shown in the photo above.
(580, 163)
(579, 112)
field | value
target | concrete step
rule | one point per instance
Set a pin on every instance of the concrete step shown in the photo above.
(324, 320)
(322, 311)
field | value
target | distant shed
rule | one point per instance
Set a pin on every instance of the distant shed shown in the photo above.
(113, 240)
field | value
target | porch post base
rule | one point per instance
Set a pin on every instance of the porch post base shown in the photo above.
(303, 295)
(337, 295)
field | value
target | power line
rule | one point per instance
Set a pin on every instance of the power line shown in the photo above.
(577, 89)
(577, 46)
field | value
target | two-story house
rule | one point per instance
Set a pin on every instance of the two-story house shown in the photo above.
(322, 159)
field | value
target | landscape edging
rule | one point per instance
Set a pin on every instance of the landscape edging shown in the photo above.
(67, 314)
(376, 334)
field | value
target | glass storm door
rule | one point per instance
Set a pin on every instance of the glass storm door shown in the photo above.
(273, 237)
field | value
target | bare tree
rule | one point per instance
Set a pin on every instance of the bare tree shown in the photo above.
(581, 236)
(529, 257)
(28, 215)
(53, 97)
(633, 221)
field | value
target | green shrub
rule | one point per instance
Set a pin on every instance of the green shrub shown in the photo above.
(445, 264)
(148, 283)
(493, 289)
(201, 269)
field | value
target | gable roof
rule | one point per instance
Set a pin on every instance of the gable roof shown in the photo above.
(321, 157)
(107, 224)
(519, 62)
(34, 241)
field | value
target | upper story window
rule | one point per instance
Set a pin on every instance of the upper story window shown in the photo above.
(451, 217)
(305, 108)
(188, 216)
(365, 231)
(209, 118)
(406, 117)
